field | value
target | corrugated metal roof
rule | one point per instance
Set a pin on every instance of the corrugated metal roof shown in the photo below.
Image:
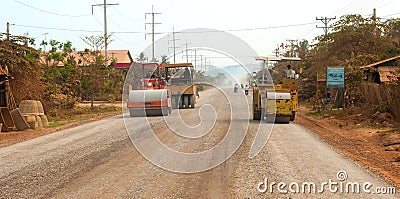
(272, 58)
(387, 73)
(121, 56)
(178, 65)
(380, 62)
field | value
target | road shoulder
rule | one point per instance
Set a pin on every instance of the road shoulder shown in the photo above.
(364, 145)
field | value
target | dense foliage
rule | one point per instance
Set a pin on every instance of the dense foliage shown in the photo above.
(354, 41)
(24, 67)
(59, 77)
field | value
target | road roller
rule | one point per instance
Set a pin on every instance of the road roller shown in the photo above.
(151, 96)
(180, 83)
(275, 100)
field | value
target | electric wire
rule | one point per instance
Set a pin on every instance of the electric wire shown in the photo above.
(48, 12)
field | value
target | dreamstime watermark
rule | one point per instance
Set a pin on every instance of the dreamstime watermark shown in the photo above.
(144, 138)
(338, 185)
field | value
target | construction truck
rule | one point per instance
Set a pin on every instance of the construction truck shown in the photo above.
(149, 96)
(180, 83)
(275, 100)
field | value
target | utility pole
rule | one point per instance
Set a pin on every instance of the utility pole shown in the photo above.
(195, 58)
(152, 13)
(105, 26)
(325, 21)
(173, 42)
(45, 39)
(186, 49)
(205, 65)
(201, 62)
(8, 31)
(374, 18)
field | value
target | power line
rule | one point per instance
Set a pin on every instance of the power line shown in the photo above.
(391, 15)
(141, 32)
(52, 28)
(48, 12)
(123, 15)
(121, 27)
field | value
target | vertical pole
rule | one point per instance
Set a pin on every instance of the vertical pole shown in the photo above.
(205, 65)
(152, 33)
(201, 62)
(105, 32)
(263, 71)
(187, 57)
(173, 40)
(195, 58)
(8, 31)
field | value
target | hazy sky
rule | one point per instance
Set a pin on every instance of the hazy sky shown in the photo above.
(261, 24)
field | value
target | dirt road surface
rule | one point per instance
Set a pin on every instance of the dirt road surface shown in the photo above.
(98, 160)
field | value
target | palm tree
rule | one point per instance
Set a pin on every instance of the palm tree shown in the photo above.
(164, 59)
(141, 57)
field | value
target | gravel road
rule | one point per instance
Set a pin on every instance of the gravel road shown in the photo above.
(98, 160)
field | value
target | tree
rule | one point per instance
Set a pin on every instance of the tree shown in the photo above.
(303, 49)
(93, 75)
(354, 41)
(141, 57)
(22, 62)
(164, 59)
(96, 41)
(394, 31)
(61, 74)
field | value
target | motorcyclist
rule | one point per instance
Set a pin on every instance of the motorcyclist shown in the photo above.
(246, 90)
(235, 88)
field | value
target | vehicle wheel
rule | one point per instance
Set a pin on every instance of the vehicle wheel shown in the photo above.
(293, 116)
(262, 114)
(131, 113)
(180, 100)
(136, 113)
(271, 118)
(191, 101)
(257, 115)
(282, 119)
(165, 111)
(186, 101)
(174, 102)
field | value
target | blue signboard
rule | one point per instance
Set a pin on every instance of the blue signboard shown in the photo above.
(335, 77)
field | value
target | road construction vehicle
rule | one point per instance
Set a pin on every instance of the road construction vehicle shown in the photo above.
(275, 100)
(149, 96)
(180, 83)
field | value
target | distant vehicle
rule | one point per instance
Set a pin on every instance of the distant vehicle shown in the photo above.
(246, 90)
(235, 88)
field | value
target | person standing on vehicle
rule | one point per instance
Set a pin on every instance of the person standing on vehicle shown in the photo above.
(186, 76)
(290, 73)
